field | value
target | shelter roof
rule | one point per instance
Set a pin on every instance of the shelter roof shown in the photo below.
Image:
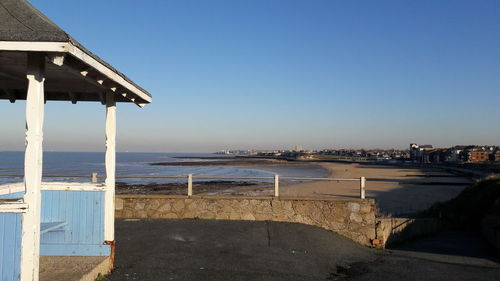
(75, 73)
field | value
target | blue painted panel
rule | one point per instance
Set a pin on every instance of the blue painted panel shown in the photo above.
(10, 246)
(83, 211)
(12, 195)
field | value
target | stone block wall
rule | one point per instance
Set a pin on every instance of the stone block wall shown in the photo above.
(353, 218)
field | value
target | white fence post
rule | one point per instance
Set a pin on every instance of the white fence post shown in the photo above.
(94, 177)
(276, 185)
(362, 187)
(190, 184)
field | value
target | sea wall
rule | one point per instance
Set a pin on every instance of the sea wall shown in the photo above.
(353, 218)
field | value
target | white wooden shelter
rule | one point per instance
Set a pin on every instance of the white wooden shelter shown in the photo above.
(39, 63)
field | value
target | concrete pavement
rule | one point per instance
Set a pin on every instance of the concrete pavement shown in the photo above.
(244, 250)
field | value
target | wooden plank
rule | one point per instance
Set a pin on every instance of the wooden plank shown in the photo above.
(83, 211)
(73, 186)
(13, 206)
(10, 246)
(34, 46)
(11, 189)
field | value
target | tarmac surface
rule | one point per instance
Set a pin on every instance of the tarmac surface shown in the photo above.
(246, 250)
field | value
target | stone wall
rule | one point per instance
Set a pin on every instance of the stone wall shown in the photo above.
(353, 218)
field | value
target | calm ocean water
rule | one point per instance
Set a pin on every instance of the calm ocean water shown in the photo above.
(137, 164)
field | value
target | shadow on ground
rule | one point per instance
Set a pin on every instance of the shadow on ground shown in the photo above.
(245, 250)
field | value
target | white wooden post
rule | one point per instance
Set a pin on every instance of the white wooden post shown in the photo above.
(109, 197)
(190, 184)
(30, 240)
(94, 177)
(276, 185)
(362, 187)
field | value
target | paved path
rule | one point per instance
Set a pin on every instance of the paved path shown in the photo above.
(238, 250)
(446, 256)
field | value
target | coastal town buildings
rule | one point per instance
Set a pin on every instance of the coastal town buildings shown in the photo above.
(423, 154)
(456, 154)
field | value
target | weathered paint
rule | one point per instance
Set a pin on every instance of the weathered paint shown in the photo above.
(10, 246)
(83, 233)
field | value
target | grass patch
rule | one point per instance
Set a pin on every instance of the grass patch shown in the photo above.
(101, 277)
(467, 209)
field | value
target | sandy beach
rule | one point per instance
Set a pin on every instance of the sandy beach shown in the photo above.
(397, 189)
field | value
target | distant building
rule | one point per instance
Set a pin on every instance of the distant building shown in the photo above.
(497, 155)
(420, 153)
(299, 147)
(455, 154)
(478, 156)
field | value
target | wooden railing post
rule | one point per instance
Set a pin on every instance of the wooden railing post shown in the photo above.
(276, 185)
(94, 177)
(190, 184)
(362, 187)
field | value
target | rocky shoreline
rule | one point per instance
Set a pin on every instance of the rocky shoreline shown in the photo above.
(200, 188)
(219, 161)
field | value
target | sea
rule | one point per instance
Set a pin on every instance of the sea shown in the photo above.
(139, 164)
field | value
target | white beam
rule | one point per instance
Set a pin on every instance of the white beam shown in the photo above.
(110, 163)
(30, 240)
(17, 206)
(34, 46)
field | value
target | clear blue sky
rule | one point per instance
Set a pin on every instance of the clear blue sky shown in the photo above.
(271, 74)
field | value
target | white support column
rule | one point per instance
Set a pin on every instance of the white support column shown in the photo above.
(30, 240)
(109, 201)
